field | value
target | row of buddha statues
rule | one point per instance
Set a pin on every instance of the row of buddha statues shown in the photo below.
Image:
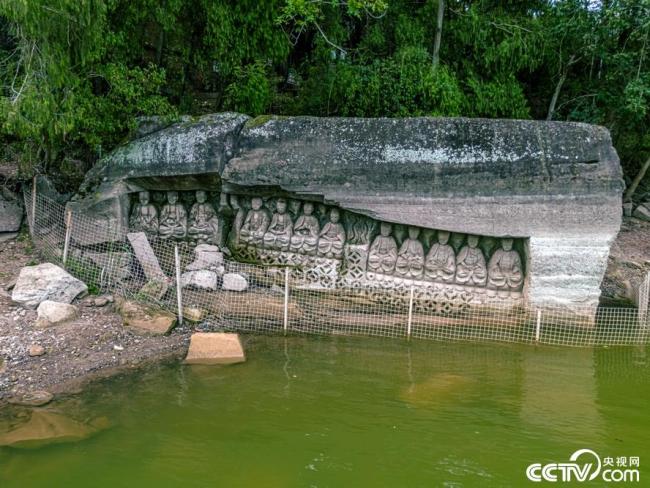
(203, 224)
(504, 270)
(441, 263)
(254, 226)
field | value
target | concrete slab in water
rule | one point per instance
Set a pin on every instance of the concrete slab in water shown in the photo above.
(215, 348)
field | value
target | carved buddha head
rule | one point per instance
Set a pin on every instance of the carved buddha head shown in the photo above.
(472, 241)
(143, 197)
(201, 197)
(334, 216)
(506, 244)
(443, 237)
(414, 233)
(172, 197)
(385, 229)
(281, 206)
(308, 208)
(256, 203)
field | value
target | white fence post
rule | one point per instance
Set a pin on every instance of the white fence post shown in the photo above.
(68, 232)
(179, 295)
(644, 301)
(286, 300)
(410, 321)
(538, 325)
(34, 207)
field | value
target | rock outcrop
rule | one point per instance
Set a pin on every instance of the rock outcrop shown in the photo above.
(555, 186)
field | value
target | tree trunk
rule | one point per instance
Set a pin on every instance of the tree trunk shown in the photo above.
(438, 38)
(637, 179)
(558, 89)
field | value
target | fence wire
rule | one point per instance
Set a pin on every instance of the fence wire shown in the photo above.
(149, 270)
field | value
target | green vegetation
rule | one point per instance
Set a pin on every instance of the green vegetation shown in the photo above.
(76, 74)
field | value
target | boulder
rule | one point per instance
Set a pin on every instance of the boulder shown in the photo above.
(234, 282)
(11, 215)
(202, 279)
(642, 212)
(145, 319)
(53, 313)
(46, 281)
(7, 236)
(215, 348)
(45, 427)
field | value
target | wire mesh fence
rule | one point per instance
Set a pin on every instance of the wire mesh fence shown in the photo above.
(198, 284)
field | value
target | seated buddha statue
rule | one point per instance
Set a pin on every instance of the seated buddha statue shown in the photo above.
(173, 218)
(382, 255)
(204, 221)
(255, 225)
(504, 269)
(305, 231)
(144, 217)
(440, 262)
(410, 258)
(470, 265)
(278, 233)
(332, 238)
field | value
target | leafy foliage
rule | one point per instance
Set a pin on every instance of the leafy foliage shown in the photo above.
(76, 74)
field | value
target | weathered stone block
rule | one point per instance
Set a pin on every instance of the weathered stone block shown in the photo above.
(46, 281)
(234, 282)
(53, 313)
(215, 348)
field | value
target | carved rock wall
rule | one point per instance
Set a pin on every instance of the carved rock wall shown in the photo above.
(555, 185)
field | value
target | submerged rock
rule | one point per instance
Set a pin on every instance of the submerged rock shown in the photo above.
(215, 348)
(45, 427)
(32, 399)
(46, 281)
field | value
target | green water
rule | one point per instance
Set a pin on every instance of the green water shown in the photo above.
(353, 412)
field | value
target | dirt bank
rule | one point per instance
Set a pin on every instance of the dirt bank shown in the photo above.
(94, 345)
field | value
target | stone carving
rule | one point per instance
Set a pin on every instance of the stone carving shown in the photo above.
(144, 217)
(440, 263)
(278, 233)
(470, 264)
(255, 224)
(504, 270)
(204, 225)
(410, 259)
(383, 251)
(305, 231)
(332, 238)
(173, 218)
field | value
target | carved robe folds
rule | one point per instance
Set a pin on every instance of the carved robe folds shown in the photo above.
(410, 259)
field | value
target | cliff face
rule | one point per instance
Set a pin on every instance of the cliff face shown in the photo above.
(556, 184)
